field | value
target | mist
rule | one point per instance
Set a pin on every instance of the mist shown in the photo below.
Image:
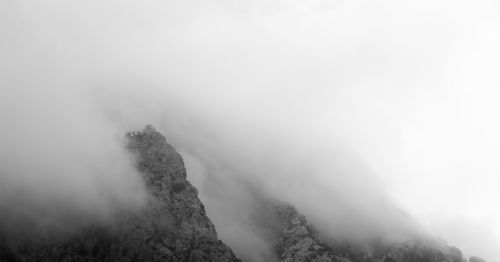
(60, 166)
(345, 109)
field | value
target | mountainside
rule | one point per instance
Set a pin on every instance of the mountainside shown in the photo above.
(173, 226)
(297, 240)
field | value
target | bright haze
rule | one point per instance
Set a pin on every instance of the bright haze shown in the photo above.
(326, 104)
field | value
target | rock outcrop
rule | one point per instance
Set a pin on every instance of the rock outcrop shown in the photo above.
(297, 240)
(173, 225)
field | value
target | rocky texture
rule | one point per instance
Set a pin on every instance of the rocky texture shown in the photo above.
(418, 251)
(297, 240)
(172, 227)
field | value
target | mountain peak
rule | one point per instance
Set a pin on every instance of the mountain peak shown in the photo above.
(172, 226)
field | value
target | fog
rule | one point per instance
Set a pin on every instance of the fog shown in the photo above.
(347, 109)
(60, 164)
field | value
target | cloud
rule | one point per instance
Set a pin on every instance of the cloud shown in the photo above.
(61, 164)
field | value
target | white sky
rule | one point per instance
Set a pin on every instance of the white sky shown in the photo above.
(411, 86)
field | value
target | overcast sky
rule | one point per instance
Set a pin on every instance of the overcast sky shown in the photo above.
(409, 89)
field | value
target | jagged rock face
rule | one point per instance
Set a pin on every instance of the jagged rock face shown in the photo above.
(298, 241)
(174, 200)
(173, 226)
(174, 205)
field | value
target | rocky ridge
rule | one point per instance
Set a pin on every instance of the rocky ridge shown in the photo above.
(297, 240)
(173, 226)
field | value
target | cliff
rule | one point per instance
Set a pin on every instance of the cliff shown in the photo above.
(297, 240)
(173, 226)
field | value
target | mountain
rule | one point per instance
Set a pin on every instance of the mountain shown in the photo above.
(297, 240)
(173, 226)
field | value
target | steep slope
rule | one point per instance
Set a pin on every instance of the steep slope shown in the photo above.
(173, 225)
(298, 241)
(175, 203)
